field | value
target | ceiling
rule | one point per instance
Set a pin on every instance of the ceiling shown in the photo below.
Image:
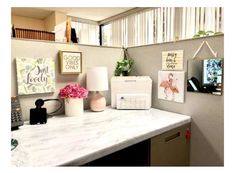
(91, 13)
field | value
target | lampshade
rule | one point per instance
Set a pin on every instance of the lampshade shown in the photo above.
(97, 79)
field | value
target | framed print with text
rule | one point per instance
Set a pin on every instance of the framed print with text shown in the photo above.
(35, 75)
(70, 62)
(172, 60)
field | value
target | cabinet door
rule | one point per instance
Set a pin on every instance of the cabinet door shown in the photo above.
(171, 148)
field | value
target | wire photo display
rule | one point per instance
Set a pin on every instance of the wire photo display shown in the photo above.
(70, 62)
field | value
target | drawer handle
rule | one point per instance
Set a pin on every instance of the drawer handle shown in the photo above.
(130, 80)
(169, 138)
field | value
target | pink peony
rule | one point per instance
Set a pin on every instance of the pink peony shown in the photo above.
(73, 91)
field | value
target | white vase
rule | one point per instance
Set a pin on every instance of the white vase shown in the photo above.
(73, 106)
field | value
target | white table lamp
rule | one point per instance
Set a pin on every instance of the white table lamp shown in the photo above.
(97, 80)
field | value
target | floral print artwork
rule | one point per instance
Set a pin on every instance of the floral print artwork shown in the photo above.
(212, 71)
(171, 86)
(35, 75)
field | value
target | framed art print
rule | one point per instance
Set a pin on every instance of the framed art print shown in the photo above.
(35, 75)
(171, 85)
(70, 62)
(172, 60)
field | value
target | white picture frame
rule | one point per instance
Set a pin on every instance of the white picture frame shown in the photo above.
(171, 85)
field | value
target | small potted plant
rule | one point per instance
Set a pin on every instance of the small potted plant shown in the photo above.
(124, 66)
(73, 95)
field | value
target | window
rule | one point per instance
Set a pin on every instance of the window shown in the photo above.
(106, 30)
(86, 33)
(146, 27)
(163, 24)
(115, 33)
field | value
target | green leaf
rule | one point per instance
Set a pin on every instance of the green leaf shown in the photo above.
(209, 33)
(201, 32)
(123, 66)
(218, 33)
(196, 36)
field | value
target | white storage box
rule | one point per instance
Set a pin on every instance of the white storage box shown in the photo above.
(131, 92)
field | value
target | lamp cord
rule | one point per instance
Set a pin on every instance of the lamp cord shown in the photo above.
(61, 105)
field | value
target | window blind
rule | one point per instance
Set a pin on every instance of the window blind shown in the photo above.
(86, 33)
(194, 19)
(162, 24)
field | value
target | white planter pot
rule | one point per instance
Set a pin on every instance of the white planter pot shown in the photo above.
(73, 106)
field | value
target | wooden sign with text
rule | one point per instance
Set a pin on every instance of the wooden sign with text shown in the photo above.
(172, 60)
(35, 75)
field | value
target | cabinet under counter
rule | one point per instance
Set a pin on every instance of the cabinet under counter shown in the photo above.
(80, 140)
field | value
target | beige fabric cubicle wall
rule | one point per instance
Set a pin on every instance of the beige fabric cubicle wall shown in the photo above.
(91, 56)
(207, 111)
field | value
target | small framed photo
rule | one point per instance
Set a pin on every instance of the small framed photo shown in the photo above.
(70, 62)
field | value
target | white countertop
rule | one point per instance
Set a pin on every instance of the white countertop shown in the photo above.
(79, 140)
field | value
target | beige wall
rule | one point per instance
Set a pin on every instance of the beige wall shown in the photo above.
(54, 19)
(27, 22)
(207, 111)
(91, 56)
(60, 18)
(49, 22)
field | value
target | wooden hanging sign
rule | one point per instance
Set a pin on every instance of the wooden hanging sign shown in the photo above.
(172, 60)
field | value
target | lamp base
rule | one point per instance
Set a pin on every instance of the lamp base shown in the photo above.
(97, 102)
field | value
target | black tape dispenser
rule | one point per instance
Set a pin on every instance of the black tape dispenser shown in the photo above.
(39, 115)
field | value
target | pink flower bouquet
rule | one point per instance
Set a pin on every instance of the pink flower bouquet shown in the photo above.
(73, 91)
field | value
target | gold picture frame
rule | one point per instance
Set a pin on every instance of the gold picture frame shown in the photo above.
(70, 62)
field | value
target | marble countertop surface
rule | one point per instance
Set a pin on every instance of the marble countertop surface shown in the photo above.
(81, 139)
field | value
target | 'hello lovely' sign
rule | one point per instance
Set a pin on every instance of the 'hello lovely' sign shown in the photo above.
(35, 75)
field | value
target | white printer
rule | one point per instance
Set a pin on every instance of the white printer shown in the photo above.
(131, 92)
